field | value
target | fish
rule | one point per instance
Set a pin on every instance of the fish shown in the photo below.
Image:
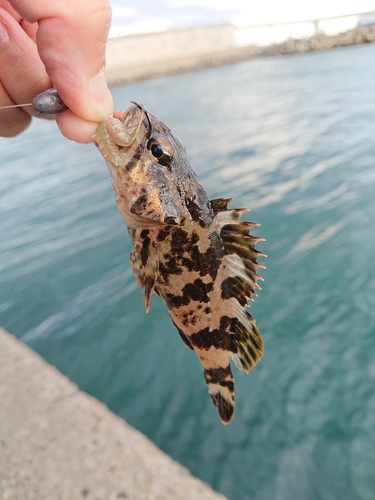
(195, 253)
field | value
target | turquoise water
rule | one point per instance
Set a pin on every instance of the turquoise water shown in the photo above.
(293, 138)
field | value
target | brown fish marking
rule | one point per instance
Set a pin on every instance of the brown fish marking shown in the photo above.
(196, 254)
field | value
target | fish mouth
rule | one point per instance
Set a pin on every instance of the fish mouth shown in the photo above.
(132, 119)
(150, 130)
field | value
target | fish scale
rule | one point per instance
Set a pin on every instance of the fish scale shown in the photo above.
(196, 254)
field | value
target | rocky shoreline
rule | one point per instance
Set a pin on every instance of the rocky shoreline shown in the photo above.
(356, 36)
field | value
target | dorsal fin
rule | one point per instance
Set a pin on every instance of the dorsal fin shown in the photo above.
(241, 282)
(246, 345)
(236, 239)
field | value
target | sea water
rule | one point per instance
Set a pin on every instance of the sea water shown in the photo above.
(292, 138)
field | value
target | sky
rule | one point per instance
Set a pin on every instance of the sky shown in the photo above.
(139, 16)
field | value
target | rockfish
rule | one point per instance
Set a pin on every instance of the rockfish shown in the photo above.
(196, 254)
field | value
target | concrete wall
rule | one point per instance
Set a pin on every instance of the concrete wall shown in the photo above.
(57, 443)
(144, 54)
(168, 44)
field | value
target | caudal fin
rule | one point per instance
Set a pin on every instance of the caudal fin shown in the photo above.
(221, 389)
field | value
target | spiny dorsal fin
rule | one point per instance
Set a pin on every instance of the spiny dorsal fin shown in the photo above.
(236, 239)
(246, 342)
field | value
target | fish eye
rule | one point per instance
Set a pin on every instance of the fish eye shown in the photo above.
(161, 155)
(157, 150)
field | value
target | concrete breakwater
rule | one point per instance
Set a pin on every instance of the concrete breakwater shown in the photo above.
(58, 443)
(137, 57)
(356, 36)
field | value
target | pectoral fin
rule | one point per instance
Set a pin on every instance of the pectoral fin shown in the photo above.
(145, 264)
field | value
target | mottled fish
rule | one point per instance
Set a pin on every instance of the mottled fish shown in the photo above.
(196, 254)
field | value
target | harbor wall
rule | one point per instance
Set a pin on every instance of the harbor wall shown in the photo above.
(137, 57)
(58, 443)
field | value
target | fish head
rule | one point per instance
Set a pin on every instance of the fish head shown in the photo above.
(151, 176)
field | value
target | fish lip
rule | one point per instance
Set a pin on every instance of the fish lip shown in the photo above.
(150, 126)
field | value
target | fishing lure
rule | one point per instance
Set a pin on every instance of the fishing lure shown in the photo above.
(47, 103)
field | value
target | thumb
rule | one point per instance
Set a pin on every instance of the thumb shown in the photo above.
(71, 41)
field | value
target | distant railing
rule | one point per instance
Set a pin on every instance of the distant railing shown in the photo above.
(270, 33)
(317, 21)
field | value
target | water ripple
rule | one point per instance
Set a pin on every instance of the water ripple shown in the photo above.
(290, 137)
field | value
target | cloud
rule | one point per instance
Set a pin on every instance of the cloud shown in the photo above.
(135, 16)
(214, 4)
(118, 11)
(268, 11)
(147, 26)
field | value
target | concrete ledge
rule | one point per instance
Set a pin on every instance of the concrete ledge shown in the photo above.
(57, 442)
(126, 73)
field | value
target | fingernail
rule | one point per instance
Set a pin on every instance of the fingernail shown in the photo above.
(100, 95)
(4, 37)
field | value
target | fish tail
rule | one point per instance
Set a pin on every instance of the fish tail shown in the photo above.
(220, 386)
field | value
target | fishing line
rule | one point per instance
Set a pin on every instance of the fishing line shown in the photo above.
(16, 106)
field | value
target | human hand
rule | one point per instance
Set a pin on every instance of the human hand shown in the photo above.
(59, 43)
